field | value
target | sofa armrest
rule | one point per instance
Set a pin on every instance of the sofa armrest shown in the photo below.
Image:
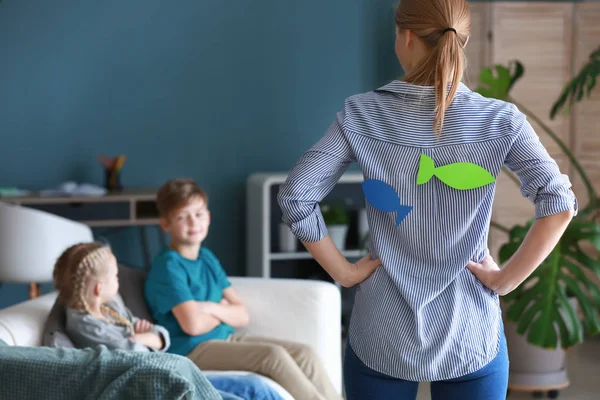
(305, 311)
(23, 324)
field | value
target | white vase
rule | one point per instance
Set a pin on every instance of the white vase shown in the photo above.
(338, 235)
(287, 240)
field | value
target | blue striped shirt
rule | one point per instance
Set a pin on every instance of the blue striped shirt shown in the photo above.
(423, 316)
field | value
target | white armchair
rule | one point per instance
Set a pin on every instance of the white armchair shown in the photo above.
(31, 241)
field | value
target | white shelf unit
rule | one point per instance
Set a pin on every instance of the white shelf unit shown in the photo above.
(259, 206)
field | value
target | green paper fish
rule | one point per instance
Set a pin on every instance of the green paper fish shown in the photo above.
(460, 175)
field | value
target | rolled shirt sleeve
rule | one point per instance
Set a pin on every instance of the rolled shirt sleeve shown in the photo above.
(313, 177)
(541, 180)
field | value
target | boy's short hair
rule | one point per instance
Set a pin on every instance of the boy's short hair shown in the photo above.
(176, 193)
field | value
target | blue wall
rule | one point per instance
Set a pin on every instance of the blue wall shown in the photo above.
(214, 90)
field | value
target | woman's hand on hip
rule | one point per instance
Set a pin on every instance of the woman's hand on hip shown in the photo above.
(336, 264)
(360, 271)
(488, 272)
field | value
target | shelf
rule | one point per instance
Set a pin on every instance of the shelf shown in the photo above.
(269, 179)
(121, 222)
(126, 195)
(130, 207)
(264, 253)
(302, 255)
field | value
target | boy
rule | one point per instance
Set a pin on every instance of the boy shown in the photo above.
(189, 294)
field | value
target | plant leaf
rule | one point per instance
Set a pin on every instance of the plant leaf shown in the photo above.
(529, 315)
(519, 70)
(594, 291)
(566, 311)
(575, 89)
(591, 315)
(563, 330)
(516, 309)
(494, 86)
(496, 82)
(539, 333)
(540, 306)
(584, 260)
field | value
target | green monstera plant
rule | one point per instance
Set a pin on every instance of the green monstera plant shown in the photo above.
(541, 306)
(581, 85)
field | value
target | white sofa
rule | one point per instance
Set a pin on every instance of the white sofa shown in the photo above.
(306, 311)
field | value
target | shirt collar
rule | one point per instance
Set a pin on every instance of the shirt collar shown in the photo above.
(402, 87)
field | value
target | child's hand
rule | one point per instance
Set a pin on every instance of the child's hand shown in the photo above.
(148, 339)
(489, 274)
(224, 302)
(142, 326)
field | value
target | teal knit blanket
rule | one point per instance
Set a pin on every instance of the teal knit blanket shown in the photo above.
(99, 373)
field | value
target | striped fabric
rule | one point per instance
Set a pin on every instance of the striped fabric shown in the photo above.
(423, 316)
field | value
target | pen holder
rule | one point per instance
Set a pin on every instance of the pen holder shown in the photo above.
(112, 180)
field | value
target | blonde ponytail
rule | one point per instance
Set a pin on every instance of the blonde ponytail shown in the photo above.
(448, 71)
(444, 26)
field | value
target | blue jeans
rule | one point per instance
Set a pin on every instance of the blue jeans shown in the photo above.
(246, 387)
(488, 383)
(228, 396)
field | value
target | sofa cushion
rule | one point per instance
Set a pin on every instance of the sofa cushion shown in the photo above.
(54, 334)
(131, 290)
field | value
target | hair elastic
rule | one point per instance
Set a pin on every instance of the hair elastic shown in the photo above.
(448, 29)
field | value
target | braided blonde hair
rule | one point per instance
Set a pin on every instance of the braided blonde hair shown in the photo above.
(73, 272)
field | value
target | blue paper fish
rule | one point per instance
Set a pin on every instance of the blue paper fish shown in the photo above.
(460, 175)
(384, 198)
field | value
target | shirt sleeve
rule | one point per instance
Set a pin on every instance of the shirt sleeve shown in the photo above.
(167, 287)
(220, 274)
(88, 331)
(541, 180)
(311, 179)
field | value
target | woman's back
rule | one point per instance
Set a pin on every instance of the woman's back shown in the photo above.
(430, 151)
(388, 132)
(424, 304)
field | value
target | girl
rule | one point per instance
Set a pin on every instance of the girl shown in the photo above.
(424, 311)
(85, 276)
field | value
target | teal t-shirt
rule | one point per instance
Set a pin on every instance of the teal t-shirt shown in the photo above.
(173, 280)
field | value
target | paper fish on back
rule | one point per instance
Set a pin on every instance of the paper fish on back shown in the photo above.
(460, 175)
(384, 198)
